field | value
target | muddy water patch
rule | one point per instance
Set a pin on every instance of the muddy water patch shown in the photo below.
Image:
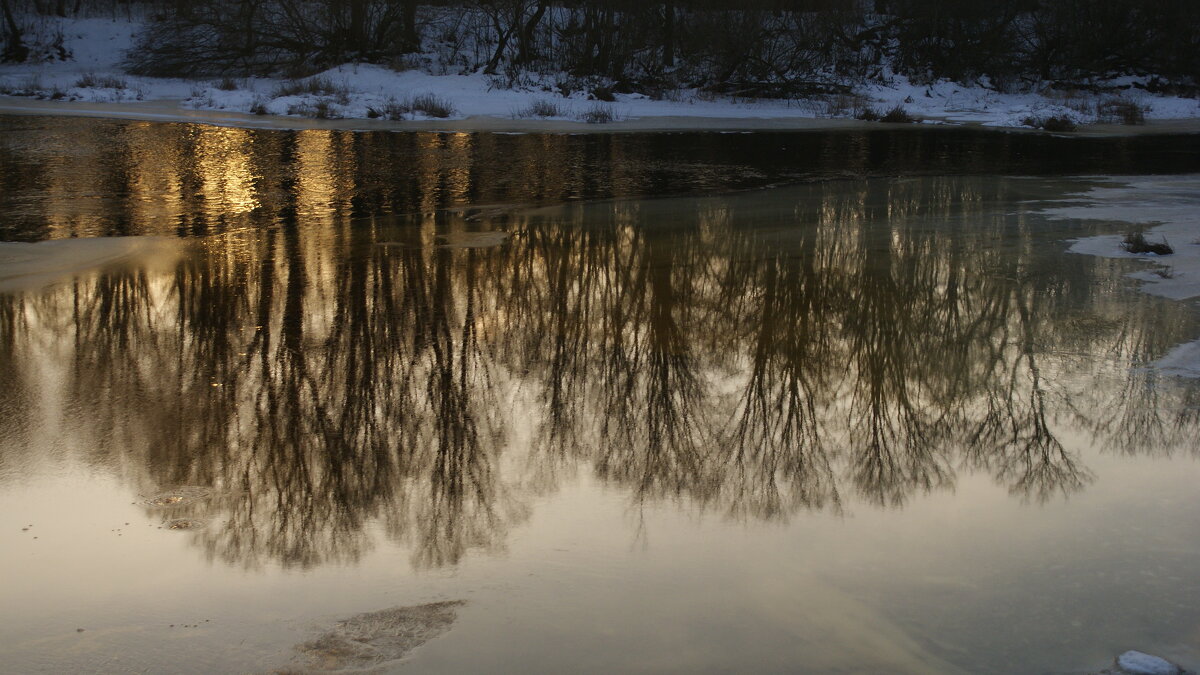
(371, 640)
(186, 524)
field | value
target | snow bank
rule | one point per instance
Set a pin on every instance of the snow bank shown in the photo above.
(366, 92)
(1169, 208)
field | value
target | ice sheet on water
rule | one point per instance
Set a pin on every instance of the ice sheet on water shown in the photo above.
(1140, 663)
(1168, 207)
(25, 266)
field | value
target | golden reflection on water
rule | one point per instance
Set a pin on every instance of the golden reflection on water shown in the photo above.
(81, 177)
(753, 356)
(224, 162)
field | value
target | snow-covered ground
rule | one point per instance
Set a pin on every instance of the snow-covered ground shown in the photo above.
(356, 91)
(1169, 208)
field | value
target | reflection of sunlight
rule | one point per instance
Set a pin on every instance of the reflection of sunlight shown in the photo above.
(428, 158)
(155, 186)
(226, 173)
(315, 189)
(459, 149)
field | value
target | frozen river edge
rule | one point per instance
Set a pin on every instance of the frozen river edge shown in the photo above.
(175, 110)
(1167, 209)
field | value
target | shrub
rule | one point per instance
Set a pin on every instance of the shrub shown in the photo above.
(604, 94)
(391, 110)
(598, 114)
(541, 108)
(1135, 242)
(30, 86)
(317, 86)
(897, 115)
(1122, 110)
(844, 104)
(227, 84)
(431, 105)
(94, 81)
(322, 109)
(396, 110)
(1062, 123)
(867, 114)
(1055, 124)
(405, 62)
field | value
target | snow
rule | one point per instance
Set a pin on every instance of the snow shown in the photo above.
(1139, 663)
(1169, 208)
(98, 47)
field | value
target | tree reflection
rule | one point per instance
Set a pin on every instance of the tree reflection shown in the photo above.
(755, 355)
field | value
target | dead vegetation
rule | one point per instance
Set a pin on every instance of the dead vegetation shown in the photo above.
(1136, 242)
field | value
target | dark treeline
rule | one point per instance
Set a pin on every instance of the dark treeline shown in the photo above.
(749, 47)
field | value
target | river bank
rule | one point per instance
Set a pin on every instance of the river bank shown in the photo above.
(175, 110)
(94, 81)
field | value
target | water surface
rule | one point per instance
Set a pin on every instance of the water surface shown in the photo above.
(703, 408)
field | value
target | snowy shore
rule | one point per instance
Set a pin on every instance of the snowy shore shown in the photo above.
(360, 96)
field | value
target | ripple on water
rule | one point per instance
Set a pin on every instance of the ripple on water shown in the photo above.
(178, 497)
(471, 239)
(186, 524)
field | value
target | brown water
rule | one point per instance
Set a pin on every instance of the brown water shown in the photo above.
(876, 424)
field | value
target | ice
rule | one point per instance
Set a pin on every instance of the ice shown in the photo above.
(25, 267)
(1140, 663)
(1169, 208)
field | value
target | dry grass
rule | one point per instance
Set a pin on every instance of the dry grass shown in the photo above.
(1115, 109)
(315, 86)
(1056, 124)
(897, 115)
(30, 86)
(322, 109)
(1135, 242)
(849, 105)
(94, 81)
(431, 105)
(541, 108)
(598, 114)
(396, 110)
